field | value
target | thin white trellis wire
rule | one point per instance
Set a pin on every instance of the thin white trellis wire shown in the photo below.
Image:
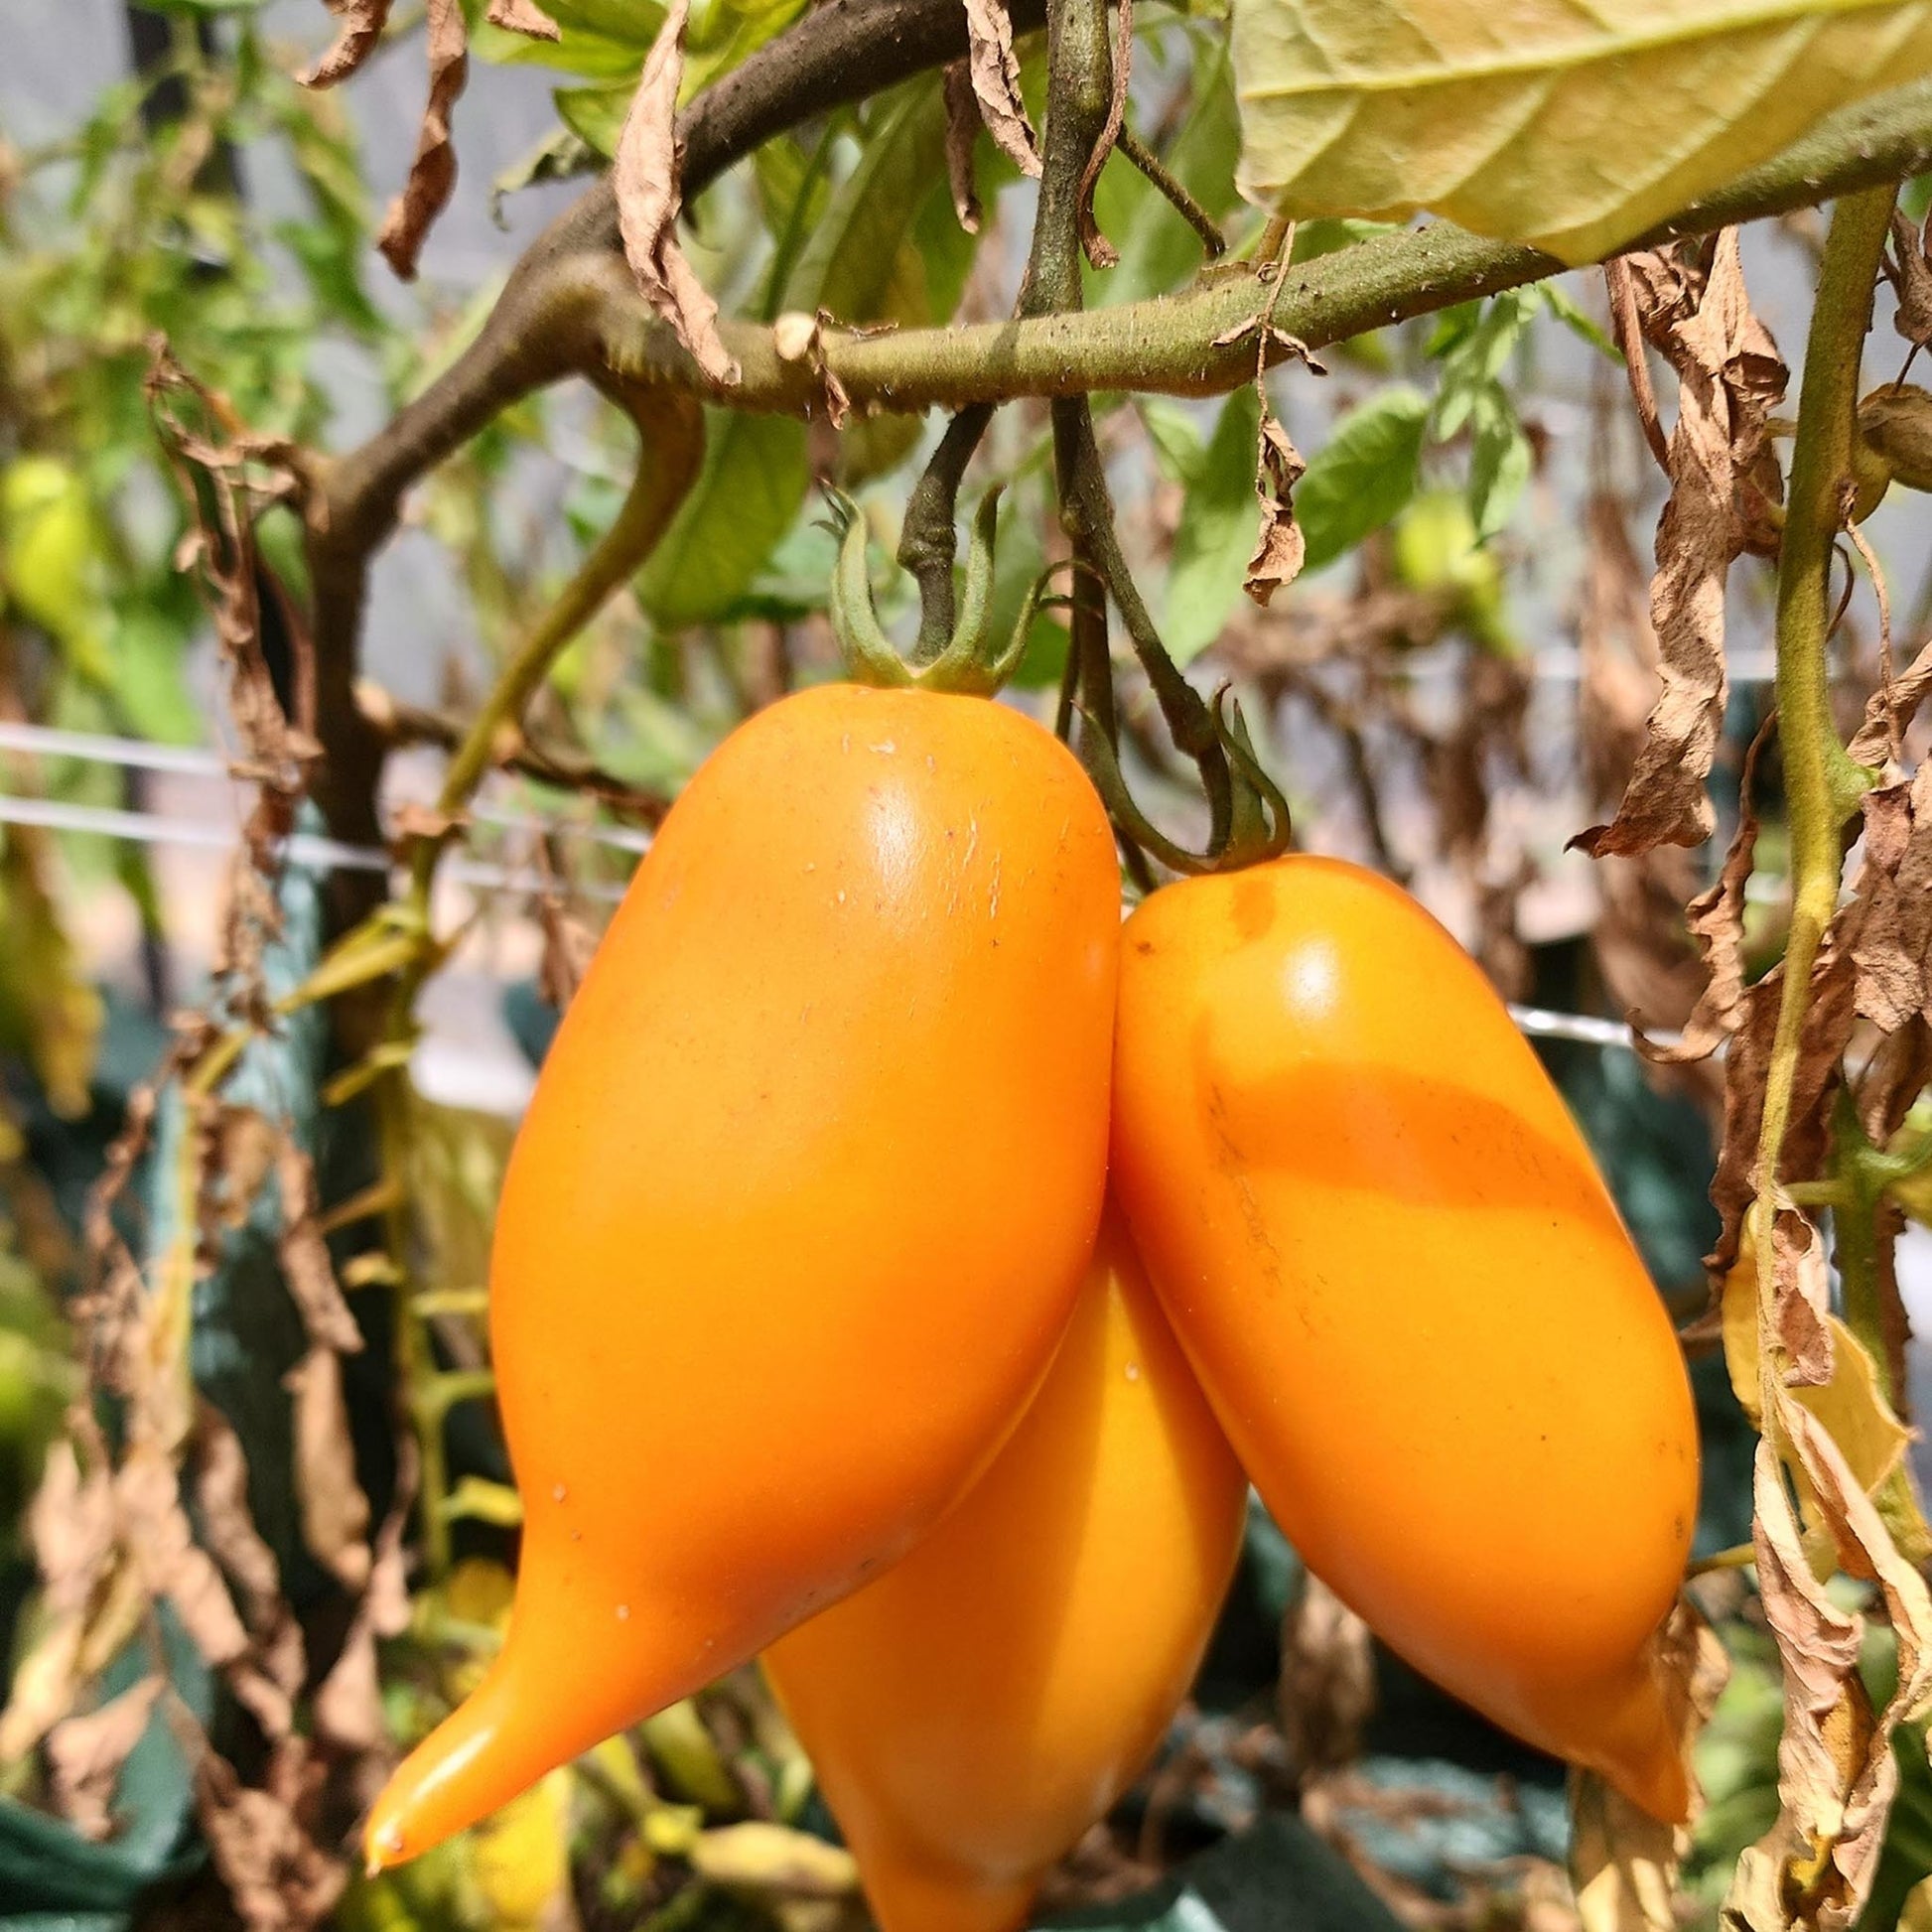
(307, 849)
(301, 848)
(94, 748)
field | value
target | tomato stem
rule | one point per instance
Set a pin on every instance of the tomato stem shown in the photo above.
(1822, 784)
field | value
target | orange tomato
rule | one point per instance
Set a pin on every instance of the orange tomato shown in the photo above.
(977, 1708)
(798, 1213)
(1407, 1292)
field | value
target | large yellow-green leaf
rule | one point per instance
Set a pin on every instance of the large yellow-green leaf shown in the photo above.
(1574, 128)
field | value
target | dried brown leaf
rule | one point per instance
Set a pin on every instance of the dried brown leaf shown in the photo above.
(1836, 1774)
(1327, 1682)
(1622, 1861)
(962, 134)
(994, 72)
(335, 1511)
(171, 1565)
(431, 173)
(305, 1254)
(86, 1755)
(362, 22)
(523, 17)
(70, 1526)
(1280, 547)
(268, 1672)
(1800, 1300)
(1908, 268)
(645, 174)
(1717, 922)
(1729, 375)
(279, 1878)
(1893, 900)
(1901, 701)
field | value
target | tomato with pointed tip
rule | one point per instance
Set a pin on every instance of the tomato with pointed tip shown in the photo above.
(1407, 1291)
(976, 1709)
(798, 1213)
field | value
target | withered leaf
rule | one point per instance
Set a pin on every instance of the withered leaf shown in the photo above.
(1717, 922)
(362, 22)
(645, 176)
(995, 71)
(335, 1511)
(1836, 1775)
(1800, 1312)
(1893, 896)
(1908, 267)
(1901, 701)
(523, 17)
(1279, 548)
(1327, 1681)
(86, 1755)
(279, 1878)
(305, 1254)
(1729, 375)
(70, 1526)
(431, 173)
(962, 133)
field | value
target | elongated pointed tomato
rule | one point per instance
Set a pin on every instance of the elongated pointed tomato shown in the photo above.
(798, 1213)
(976, 1709)
(1407, 1291)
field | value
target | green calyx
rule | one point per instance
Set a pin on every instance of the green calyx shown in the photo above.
(1259, 827)
(972, 662)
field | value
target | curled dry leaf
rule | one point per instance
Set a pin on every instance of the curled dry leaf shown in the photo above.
(1280, 547)
(994, 68)
(362, 22)
(645, 176)
(1893, 947)
(1729, 375)
(70, 1526)
(1717, 922)
(268, 1674)
(1908, 268)
(432, 173)
(962, 134)
(1896, 703)
(1836, 1775)
(1622, 1861)
(278, 1876)
(86, 1755)
(335, 1511)
(304, 1253)
(523, 17)
(1327, 1682)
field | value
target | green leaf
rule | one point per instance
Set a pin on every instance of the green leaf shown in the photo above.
(1572, 128)
(596, 115)
(1216, 533)
(1363, 475)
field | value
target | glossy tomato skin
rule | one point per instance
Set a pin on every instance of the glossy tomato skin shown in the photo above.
(798, 1213)
(977, 1708)
(1407, 1291)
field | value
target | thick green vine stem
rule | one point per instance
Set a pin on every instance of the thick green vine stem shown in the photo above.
(969, 663)
(1822, 784)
